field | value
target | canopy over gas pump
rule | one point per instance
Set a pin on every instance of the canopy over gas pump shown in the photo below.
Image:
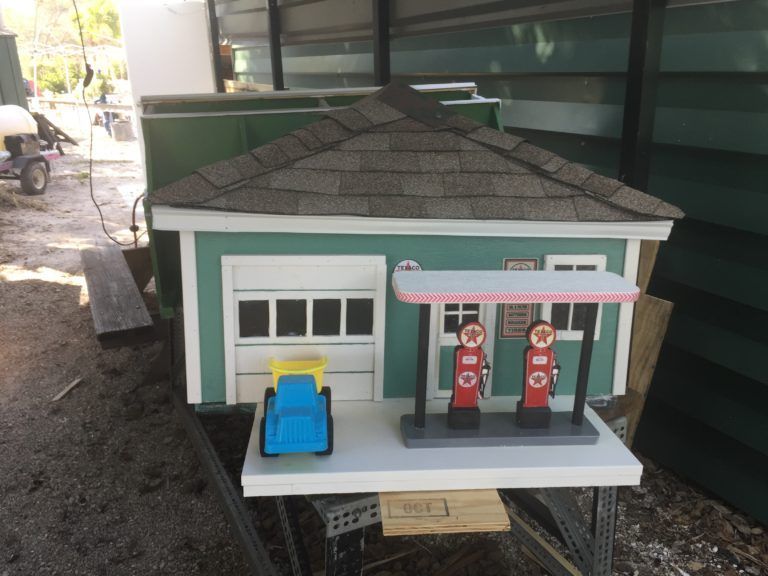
(505, 287)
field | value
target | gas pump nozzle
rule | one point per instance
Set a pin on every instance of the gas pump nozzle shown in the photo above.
(486, 370)
(555, 375)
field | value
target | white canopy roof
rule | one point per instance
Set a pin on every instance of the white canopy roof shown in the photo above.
(511, 286)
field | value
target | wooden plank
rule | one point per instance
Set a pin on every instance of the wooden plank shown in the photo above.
(117, 307)
(408, 513)
(651, 320)
(559, 558)
(66, 390)
(648, 251)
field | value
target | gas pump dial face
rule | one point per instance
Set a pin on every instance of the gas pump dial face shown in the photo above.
(471, 334)
(542, 335)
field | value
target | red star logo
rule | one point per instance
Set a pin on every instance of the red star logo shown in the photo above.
(472, 334)
(542, 335)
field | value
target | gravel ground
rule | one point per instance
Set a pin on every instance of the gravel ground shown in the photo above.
(105, 482)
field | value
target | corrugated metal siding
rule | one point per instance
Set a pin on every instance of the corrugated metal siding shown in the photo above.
(707, 413)
(563, 84)
(11, 82)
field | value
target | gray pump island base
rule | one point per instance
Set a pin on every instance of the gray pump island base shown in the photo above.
(496, 429)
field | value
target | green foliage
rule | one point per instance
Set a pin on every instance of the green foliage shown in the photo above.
(100, 22)
(52, 76)
(48, 35)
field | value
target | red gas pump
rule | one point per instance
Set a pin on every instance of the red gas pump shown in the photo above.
(470, 373)
(539, 378)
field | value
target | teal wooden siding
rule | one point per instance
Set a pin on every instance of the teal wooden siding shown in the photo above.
(433, 253)
(562, 85)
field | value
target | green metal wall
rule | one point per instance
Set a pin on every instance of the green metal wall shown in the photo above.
(562, 84)
(11, 81)
(433, 253)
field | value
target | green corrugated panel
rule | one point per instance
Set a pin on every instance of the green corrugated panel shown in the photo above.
(716, 461)
(711, 272)
(11, 81)
(727, 402)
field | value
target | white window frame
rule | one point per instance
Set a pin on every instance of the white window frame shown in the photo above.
(272, 296)
(552, 260)
(450, 339)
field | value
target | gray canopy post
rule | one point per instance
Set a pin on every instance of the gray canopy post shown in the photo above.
(585, 359)
(421, 367)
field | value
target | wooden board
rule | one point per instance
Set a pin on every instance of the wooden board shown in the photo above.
(651, 319)
(407, 513)
(119, 313)
(648, 251)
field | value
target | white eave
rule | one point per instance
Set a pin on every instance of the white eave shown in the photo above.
(197, 220)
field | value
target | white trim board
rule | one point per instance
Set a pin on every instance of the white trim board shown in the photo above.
(470, 87)
(369, 456)
(624, 328)
(191, 318)
(198, 220)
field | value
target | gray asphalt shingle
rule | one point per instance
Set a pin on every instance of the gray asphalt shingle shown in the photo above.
(270, 155)
(320, 181)
(495, 138)
(371, 184)
(462, 184)
(400, 154)
(366, 141)
(321, 204)
(332, 160)
(517, 185)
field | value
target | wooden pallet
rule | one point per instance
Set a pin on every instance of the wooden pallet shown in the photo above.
(409, 513)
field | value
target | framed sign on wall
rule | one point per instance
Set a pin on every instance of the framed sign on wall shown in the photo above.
(515, 318)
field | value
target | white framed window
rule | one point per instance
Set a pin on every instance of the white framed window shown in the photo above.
(454, 315)
(568, 319)
(298, 317)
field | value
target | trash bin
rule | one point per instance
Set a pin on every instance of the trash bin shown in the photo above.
(122, 131)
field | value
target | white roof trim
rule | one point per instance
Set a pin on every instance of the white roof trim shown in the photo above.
(198, 220)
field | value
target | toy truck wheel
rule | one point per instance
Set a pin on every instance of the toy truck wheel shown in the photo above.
(326, 391)
(268, 393)
(328, 451)
(263, 439)
(34, 178)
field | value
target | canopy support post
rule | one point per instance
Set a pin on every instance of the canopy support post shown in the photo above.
(421, 366)
(275, 47)
(582, 378)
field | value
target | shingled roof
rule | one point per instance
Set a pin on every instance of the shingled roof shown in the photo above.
(400, 154)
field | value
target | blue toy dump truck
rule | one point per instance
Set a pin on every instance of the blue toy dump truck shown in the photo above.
(297, 411)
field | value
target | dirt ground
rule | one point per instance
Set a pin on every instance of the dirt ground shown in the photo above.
(104, 481)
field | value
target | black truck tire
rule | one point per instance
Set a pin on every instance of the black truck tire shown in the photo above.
(34, 178)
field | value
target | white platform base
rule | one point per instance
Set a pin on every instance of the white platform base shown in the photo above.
(369, 456)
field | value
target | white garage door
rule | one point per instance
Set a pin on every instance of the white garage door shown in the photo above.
(303, 308)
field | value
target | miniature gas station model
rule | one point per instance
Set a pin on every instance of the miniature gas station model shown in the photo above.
(328, 215)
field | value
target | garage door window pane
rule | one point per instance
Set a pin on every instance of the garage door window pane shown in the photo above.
(254, 318)
(359, 316)
(326, 317)
(291, 317)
